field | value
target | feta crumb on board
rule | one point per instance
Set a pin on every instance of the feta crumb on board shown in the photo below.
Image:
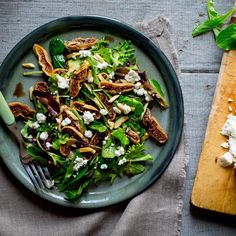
(230, 108)
(229, 130)
(230, 100)
(226, 159)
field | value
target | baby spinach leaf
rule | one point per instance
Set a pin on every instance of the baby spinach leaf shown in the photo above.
(134, 169)
(108, 150)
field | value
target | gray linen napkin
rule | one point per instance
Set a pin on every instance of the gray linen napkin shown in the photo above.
(157, 211)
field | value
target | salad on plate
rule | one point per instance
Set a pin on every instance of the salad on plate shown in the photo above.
(92, 113)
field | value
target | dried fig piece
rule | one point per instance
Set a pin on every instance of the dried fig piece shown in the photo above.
(43, 59)
(41, 87)
(82, 107)
(133, 136)
(21, 110)
(154, 128)
(73, 132)
(116, 88)
(78, 77)
(108, 105)
(64, 150)
(80, 43)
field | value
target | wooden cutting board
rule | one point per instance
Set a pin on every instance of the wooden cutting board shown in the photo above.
(215, 187)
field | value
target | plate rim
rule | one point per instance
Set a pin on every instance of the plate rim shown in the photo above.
(95, 19)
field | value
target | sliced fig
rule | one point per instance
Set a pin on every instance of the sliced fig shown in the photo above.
(133, 136)
(154, 128)
(43, 59)
(40, 87)
(116, 88)
(65, 150)
(73, 132)
(147, 85)
(82, 107)
(96, 139)
(21, 110)
(108, 105)
(80, 43)
(78, 77)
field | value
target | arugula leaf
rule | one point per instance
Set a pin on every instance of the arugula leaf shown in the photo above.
(100, 44)
(136, 127)
(99, 176)
(136, 153)
(62, 139)
(74, 194)
(58, 159)
(108, 151)
(133, 103)
(98, 126)
(134, 168)
(226, 39)
(122, 53)
(37, 154)
(121, 136)
(157, 87)
(210, 24)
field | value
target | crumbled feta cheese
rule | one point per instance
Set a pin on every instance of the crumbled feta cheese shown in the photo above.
(62, 82)
(48, 145)
(230, 108)
(84, 53)
(58, 120)
(41, 118)
(137, 85)
(122, 161)
(225, 145)
(103, 166)
(111, 75)
(102, 65)
(230, 100)
(34, 125)
(140, 91)
(66, 121)
(148, 97)
(103, 112)
(232, 146)
(30, 137)
(132, 76)
(43, 136)
(229, 128)
(226, 159)
(88, 133)
(78, 163)
(88, 117)
(119, 151)
(126, 109)
(116, 110)
(105, 140)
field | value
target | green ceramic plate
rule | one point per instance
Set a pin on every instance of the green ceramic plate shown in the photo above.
(150, 58)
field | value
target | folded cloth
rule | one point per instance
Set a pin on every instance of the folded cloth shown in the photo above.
(156, 211)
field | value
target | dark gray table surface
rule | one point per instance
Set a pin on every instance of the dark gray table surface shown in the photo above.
(199, 61)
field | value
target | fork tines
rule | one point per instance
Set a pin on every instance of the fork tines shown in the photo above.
(39, 176)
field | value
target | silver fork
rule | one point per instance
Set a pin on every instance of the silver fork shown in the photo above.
(39, 176)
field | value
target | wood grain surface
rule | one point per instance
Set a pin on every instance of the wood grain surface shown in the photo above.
(215, 187)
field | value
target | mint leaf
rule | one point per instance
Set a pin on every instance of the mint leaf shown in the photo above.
(210, 24)
(226, 39)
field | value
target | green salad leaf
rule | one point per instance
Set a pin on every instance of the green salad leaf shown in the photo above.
(134, 168)
(213, 23)
(108, 150)
(226, 39)
(62, 139)
(121, 136)
(98, 126)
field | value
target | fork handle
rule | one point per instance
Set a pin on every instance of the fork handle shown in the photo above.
(5, 111)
